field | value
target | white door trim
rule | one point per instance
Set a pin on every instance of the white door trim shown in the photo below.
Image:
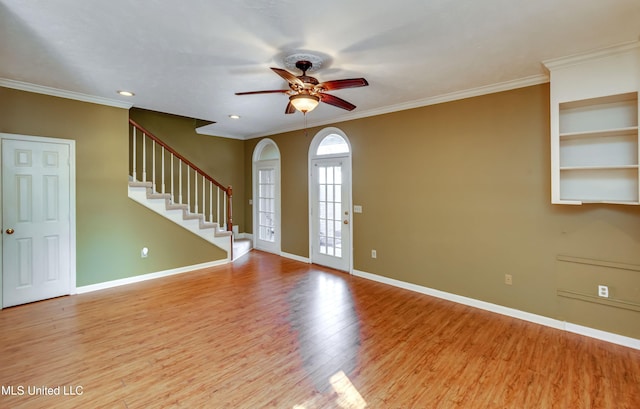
(72, 201)
(346, 158)
(271, 160)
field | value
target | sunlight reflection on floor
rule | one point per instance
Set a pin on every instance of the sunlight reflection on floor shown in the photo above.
(322, 312)
(348, 396)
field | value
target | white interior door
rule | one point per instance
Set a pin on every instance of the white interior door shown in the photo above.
(330, 213)
(267, 205)
(36, 219)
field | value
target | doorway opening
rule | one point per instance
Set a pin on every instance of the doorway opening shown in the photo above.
(330, 226)
(266, 196)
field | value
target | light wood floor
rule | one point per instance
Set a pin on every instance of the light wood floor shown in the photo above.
(271, 332)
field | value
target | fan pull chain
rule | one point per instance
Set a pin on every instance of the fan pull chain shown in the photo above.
(305, 124)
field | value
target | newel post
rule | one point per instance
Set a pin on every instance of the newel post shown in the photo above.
(229, 211)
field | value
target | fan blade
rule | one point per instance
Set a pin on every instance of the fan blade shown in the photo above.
(336, 102)
(273, 91)
(290, 109)
(340, 84)
(290, 78)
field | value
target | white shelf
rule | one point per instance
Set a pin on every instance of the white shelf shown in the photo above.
(630, 130)
(595, 149)
(599, 167)
(598, 150)
(600, 185)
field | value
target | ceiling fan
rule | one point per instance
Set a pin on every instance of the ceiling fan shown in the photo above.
(305, 92)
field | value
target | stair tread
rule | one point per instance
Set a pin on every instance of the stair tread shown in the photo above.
(140, 184)
(176, 206)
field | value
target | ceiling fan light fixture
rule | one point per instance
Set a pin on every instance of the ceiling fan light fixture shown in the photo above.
(304, 102)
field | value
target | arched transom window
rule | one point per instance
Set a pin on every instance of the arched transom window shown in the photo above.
(332, 144)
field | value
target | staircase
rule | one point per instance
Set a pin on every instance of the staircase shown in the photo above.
(176, 189)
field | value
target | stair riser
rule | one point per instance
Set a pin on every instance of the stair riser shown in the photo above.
(193, 223)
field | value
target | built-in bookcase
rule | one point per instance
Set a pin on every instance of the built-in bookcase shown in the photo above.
(594, 128)
(599, 149)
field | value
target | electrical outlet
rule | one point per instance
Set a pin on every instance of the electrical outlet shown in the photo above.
(374, 254)
(508, 279)
(144, 253)
(603, 291)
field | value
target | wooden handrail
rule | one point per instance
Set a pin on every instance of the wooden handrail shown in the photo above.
(227, 189)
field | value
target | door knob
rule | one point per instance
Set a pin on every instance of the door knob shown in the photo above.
(10, 231)
(346, 222)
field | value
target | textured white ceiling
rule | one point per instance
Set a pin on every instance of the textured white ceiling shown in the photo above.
(190, 57)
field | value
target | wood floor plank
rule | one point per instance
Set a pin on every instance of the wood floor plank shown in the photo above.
(268, 332)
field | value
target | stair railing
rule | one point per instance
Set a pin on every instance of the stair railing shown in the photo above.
(177, 175)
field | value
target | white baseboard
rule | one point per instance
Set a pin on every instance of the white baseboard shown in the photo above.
(511, 312)
(149, 276)
(296, 257)
(603, 335)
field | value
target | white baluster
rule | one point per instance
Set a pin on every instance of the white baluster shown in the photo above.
(153, 165)
(195, 196)
(134, 154)
(144, 157)
(218, 205)
(211, 202)
(173, 200)
(163, 189)
(204, 202)
(224, 211)
(180, 180)
(188, 191)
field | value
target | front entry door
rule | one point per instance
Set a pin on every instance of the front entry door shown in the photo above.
(330, 213)
(36, 219)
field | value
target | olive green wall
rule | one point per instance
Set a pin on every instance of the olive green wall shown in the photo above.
(454, 197)
(111, 229)
(457, 195)
(221, 158)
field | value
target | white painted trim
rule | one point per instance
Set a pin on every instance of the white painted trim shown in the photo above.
(590, 55)
(313, 157)
(438, 99)
(510, 312)
(149, 276)
(55, 92)
(295, 257)
(258, 164)
(603, 335)
(244, 236)
(215, 236)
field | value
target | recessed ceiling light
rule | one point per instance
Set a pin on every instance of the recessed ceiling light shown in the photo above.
(234, 116)
(126, 93)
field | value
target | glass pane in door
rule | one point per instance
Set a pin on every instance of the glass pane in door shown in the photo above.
(330, 209)
(266, 204)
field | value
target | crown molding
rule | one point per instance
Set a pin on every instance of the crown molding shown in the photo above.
(590, 55)
(438, 99)
(56, 92)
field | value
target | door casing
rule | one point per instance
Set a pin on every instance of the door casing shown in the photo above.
(267, 155)
(346, 159)
(72, 203)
